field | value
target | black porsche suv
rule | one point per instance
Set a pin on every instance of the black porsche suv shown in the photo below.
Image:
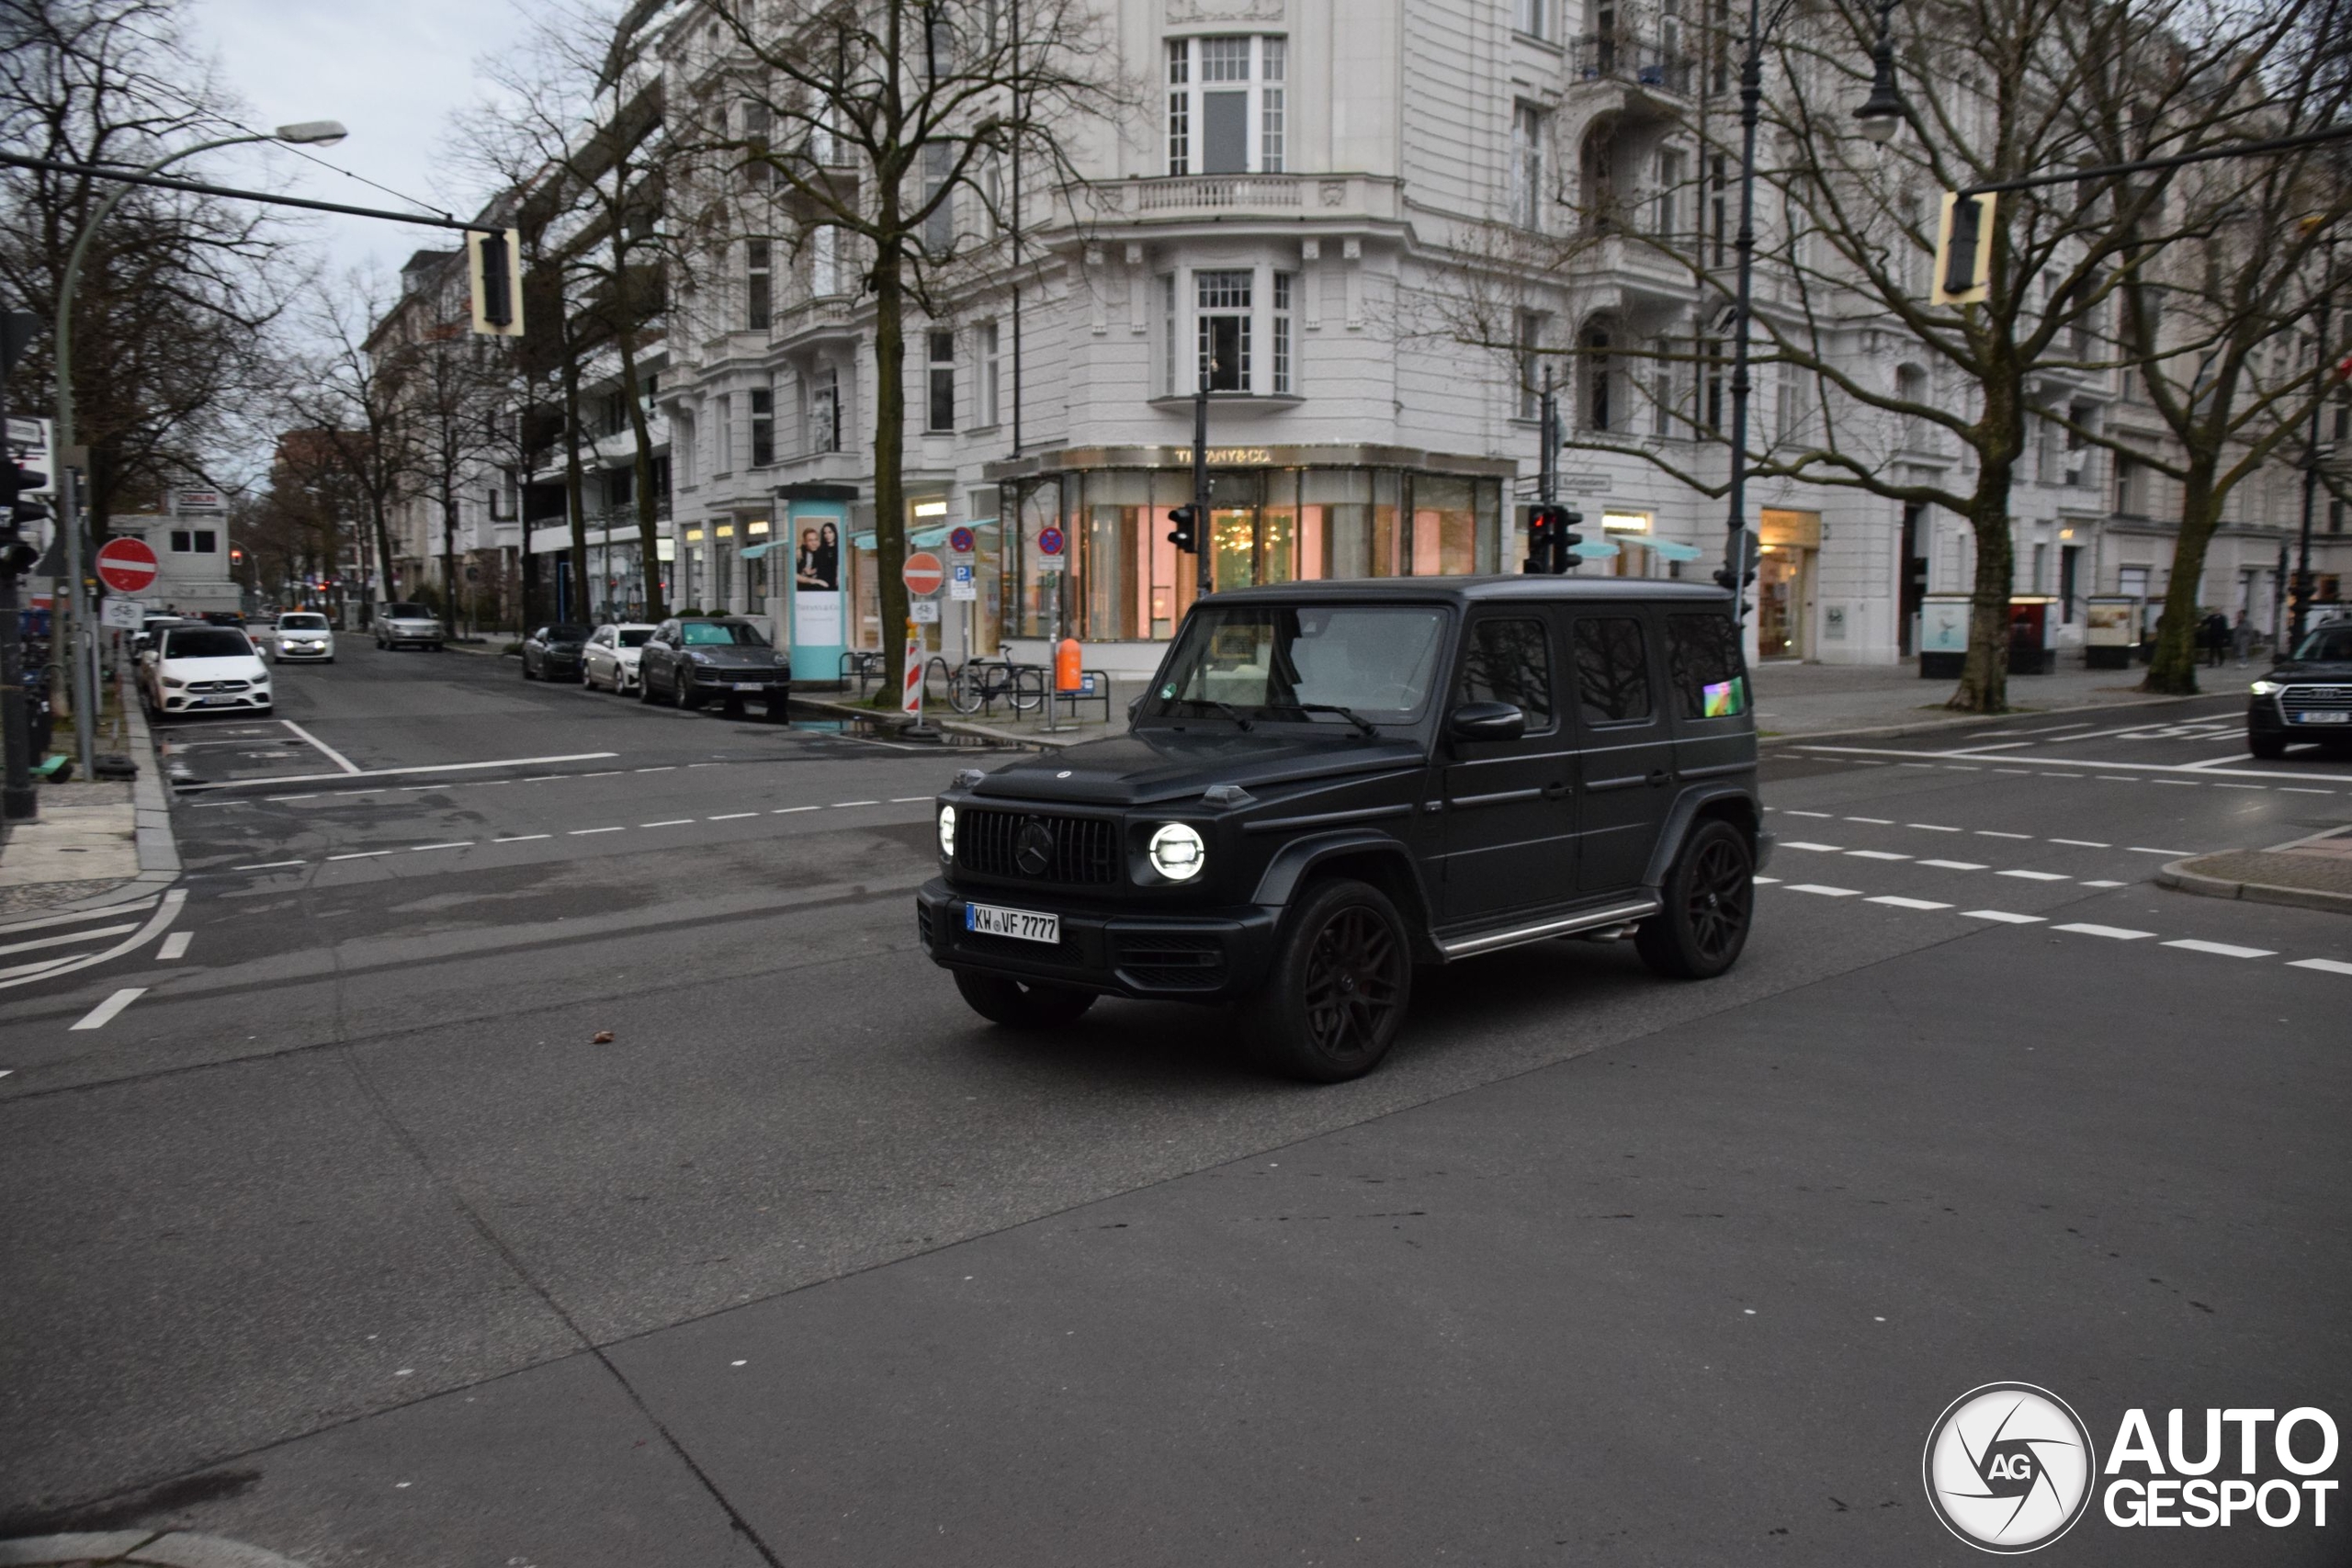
(1327, 783)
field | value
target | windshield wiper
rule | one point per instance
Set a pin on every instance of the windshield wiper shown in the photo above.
(1228, 709)
(1362, 723)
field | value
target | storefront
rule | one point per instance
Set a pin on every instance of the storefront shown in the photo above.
(1788, 545)
(1277, 514)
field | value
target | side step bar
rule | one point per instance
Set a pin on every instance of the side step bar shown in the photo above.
(1565, 925)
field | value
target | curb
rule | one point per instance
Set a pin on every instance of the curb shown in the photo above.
(159, 854)
(1961, 721)
(2178, 877)
(138, 1548)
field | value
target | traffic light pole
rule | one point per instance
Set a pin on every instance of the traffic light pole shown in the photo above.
(1204, 578)
(2302, 602)
(17, 801)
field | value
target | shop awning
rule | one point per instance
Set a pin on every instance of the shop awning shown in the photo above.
(1666, 549)
(1593, 549)
(754, 552)
(921, 538)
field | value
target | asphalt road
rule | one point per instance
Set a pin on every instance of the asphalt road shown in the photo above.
(345, 1236)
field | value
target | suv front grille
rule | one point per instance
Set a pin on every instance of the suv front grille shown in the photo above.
(217, 685)
(1081, 850)
(2305, 699)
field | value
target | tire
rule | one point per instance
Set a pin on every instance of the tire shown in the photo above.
(526, 667)
(2266, 747)
(1022, 1004)
(964, 694)
(1710, 899)
(682, 693)
(644, 691)
(1334, 1001)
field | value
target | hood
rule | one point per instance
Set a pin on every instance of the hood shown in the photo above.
(232, 667)
(734, 655)
(1147, 766)
(2312, 670)
(411, 621)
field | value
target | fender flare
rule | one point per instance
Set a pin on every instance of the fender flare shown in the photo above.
(1679, 821)
(1295, 861)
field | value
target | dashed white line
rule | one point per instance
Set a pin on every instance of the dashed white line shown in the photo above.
(269, 865)
(2114, 778)
(730, 816)
(1801, 844)
(2035, 876)
(361, 854)
(2144, 849)
(839, 804)
(174, 946)
(1874, 822)
(1954, 865)
(583, 832)
(2223, 949)
(672, 822)
(1997, 833)
(1823, 814)
(2003, 915)
(1825, 892)
(2117, 933)
(2240, 786)
(103, 1014)
(2083, 843)
(1934, 828)
(521, 838)
(1876, 854)
(1764, 881)
(1907, 903)
(907, 799)
(2106, 883)
(2298, 789)
(454, 845)
(788, 810)
(664, 768)
(2326, 965)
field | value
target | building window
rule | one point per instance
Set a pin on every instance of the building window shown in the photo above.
(725, 433)
(1528, 125)
(759, 125)
(985, 391)
(1528, 353)
(763, 426)
(1228, 94)
(1283, 282)
(1222, 329)
(759, 292)
(1717, 177)
(195, 542)
(939, 405)
(825, 261)
(1666, 212)
(1598, 413)
(825, 411)
(1532, 17)
(620, 488)
(1710, 355)
(939, 227)
(502, 503)
(2128, 501)
(1662, 386)
(1168, 355)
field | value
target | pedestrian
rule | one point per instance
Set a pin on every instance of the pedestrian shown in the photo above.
(2241, 639)
(2216, 638)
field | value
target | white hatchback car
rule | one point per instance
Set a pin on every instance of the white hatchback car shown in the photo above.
(212, 667)
(609, 660)
(303, 634)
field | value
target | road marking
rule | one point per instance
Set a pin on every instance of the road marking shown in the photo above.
(907, 799)
(62, 939)
(730, 816)
(521, 838)
(1925, 759)
(2297, 789)
(1764, 881)
(2107, 884)
(1876, 854)
(2184, 783)
(398, 772)
(175, 945)
(2326, 965)
(1873, 821)
(1995, 833)
(603, 773)
(1825, 892)
(2004, 916)
(1934, 828)
(2113, 778)
(1954, 865)
(840, 803)
(1950, 769)
(672, 822)
(1905, 903)
(312, 796)
(458, 844)
(2061, 775)
(2118, 933)
(2052, 729)
(2223, 949)
(1974, 751)
(2035, 876)
(167, 911)
(2144, 849)
(1823, 814)
(1801, 844)
(109, 912)
(361, 854)
(331, 755)
(2083, 843)
(270, 864)
(37, 967)
(582, 832)
(103, 1014)
(2240, 786)
(664, 768)
(788, 810)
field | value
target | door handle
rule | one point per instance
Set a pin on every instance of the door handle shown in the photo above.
(1658, 776)
(1556, 789)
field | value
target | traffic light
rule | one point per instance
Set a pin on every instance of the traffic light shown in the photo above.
(1751, 553)
(496, 283)
(1186, 533)
(1552, 539)
(18, 509)
(1964, 251)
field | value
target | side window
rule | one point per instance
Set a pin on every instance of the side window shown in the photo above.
(1510, 661)
(1704, 659)
(1612, 669)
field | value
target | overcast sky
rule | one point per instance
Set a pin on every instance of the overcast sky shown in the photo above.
(394, 70)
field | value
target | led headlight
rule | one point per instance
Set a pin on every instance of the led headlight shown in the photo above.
(947, 831)
(2266, 688)
(1177, 852)
(174, 683)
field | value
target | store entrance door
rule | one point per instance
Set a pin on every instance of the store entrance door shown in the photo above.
(1779, 625)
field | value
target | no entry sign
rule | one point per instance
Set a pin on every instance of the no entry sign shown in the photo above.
(922, 572)
(127, 566)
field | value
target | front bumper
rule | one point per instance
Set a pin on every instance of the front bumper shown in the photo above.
(1213, 957)
(315, 651)
(215, 702)
(2267, 719)
(774, 683)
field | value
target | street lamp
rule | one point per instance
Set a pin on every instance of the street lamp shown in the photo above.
(307, 133)
(1879, 117)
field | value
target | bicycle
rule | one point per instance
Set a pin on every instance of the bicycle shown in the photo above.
(980, 682)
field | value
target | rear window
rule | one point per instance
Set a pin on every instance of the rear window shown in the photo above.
(206, 643)
(406, 612)
(634, 636)
(567, 634)
(1704, 659)
(706, 634)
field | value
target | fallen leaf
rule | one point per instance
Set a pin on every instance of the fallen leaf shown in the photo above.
(604, 1037)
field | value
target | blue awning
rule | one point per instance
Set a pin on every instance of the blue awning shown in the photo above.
(1592, 550)
(921, 538)
(754, 552)
(1669, 550)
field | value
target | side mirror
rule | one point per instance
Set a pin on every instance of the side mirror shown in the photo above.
(1487, 721)
(1135, 706)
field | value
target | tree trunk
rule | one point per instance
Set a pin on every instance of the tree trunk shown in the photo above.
(448, 555)
(889, 442)
(649, 518)
(1984, 677)
(2173, 670)
(575, 500)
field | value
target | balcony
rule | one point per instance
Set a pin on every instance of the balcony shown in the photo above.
(1216, 197)
(1626, 57)
(830, 317)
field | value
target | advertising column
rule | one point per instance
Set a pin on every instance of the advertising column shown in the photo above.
(818, 537)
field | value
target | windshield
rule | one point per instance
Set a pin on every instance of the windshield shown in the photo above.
(297, 623)
(634, 636)
(2329, 645)
(567, 634)
(406, 612)
(1378, 661)
(706, 634)
(208, 643)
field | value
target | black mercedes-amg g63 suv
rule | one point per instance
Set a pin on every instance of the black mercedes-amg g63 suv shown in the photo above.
(1326, 783)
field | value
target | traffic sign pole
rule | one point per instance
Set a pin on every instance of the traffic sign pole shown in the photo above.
(922, 574)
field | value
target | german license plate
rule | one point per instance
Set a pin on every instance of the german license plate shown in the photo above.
(2323, 717)
(216, 701)
(1022, 925)
(747, 686)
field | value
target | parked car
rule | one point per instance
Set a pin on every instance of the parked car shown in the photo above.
(1327, 783)
(193, 666)
(552, 652)
(303, 634)
(144, 638)
(610, 660)
(690, 661)
(2307, 698)
(399, 625)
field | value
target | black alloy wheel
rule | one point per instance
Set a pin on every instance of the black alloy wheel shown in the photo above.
(1022, 1004)
(1335, 1000)
(1710, 899)
(644, 687)
(2266, 747)
(684, 693)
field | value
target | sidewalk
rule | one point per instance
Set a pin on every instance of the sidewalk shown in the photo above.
(94, 841)
(2307, 873)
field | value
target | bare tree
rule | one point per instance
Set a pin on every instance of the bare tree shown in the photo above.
(363, 433)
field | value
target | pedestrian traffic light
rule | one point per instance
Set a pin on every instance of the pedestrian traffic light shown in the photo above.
(1964, 251)
(1751, 553)
(496, 283)
(1185, 534)
(17, 508)
(1552, 539)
